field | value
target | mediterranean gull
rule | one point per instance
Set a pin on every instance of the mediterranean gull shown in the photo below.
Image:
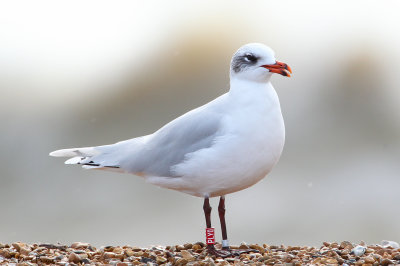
(224, 146)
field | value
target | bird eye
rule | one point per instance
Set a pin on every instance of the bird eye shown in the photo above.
(250, 58)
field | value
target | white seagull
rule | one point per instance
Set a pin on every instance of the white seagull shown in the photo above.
(224, 146)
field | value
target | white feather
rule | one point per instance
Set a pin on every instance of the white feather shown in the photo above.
(85, 151)
(74, 160)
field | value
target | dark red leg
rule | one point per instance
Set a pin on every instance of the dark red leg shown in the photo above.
(221, 212)
(207, 211)
(225, 244)
(210, 247)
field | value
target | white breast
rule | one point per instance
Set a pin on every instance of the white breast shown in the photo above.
(249, 146)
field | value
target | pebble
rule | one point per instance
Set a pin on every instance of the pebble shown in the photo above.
(188, 246)
(346, 245)
(187, 255)
(24, 251)
(369, 259)
(181, 261)
(259, 248)
(75, 258)
(138, 254)
(179, 247)
(80, 245)
(118, 250)
(196, 247)
(46, 260)
(161, 260)
(343, 253)
(18, 245)
(386, 262)
(109, 255)
(359, 250)
(391, 244)
(243, 245)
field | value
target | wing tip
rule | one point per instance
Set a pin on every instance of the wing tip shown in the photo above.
(84, 152)
(63, 153)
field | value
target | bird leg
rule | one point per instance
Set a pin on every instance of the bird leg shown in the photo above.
(221, 212)
(207, 211)
(225, 243)
(210, 233)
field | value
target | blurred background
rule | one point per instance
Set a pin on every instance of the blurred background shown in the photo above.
(85, 73)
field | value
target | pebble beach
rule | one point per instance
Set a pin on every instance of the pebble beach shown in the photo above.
(344, 253)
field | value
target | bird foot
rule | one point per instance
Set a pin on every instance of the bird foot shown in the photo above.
(227, 252)
(222, 253)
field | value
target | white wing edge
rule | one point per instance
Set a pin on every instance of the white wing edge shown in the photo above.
(83, 152)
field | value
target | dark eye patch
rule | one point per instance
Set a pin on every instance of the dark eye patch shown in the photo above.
(242, 61)
(250, 58)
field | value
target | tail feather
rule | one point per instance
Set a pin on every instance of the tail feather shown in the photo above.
(83, 156)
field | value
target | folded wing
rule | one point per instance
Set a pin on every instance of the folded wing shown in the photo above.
(155, 154)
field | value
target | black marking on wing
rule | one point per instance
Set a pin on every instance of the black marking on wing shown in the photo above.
(91, 163)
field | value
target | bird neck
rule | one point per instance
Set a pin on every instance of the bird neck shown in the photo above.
(243, 87)
(249, 93)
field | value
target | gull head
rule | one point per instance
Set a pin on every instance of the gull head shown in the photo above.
(256, 62)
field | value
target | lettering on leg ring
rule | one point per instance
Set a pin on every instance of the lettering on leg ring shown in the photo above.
(210, 236)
